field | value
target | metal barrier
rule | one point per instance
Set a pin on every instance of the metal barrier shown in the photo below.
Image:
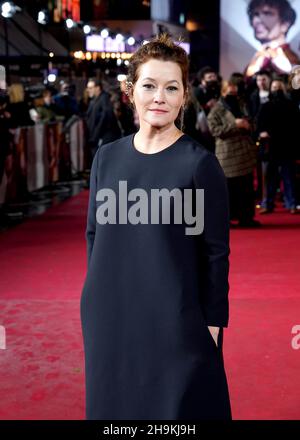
(41, 155)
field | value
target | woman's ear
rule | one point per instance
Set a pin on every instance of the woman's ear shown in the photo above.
(129, 91)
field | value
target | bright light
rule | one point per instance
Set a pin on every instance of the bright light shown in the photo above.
(119, 62)
(79, 55)
(121, 77)
(70, 23)
(131, 41)
(42, 19)
(104, 33)
(87, 29)
(119, 38)
(126, 62)
(7, 9)
(88, 56)
(51, 54)
(51, 77)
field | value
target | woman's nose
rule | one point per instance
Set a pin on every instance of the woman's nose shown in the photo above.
(159, 96)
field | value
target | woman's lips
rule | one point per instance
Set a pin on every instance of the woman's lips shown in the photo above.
(158, 111)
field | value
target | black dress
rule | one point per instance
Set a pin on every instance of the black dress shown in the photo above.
(151, 290)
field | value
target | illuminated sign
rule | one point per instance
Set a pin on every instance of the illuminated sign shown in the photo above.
(96, 43)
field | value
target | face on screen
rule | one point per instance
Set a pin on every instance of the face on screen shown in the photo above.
(268, 25)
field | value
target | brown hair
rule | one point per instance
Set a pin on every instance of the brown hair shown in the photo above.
(161, 47)
(225, 86)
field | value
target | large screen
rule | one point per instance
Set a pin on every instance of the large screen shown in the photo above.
(259, 34)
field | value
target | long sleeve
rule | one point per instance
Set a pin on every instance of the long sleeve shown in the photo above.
(91, 215)
(221, 125)
(214, 241)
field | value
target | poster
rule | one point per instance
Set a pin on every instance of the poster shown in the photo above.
(259, 34)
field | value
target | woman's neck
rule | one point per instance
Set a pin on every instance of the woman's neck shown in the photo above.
(152, 140)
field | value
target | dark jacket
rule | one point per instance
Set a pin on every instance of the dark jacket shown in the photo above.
(280, 118)
(101, 120)
(254, 104)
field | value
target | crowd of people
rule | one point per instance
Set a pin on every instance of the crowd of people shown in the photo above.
(249, 124)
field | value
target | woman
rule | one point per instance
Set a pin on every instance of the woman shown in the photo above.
(18, 107)
(236, 152)
(155, 299)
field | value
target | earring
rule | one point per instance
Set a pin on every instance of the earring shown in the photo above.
(182, 117)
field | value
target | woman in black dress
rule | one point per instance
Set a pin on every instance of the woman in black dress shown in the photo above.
(155, 298)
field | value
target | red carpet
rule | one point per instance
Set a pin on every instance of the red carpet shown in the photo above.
(43, 264)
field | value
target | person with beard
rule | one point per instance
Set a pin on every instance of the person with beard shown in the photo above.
(235, 149)
(278, 122)
(101, 120)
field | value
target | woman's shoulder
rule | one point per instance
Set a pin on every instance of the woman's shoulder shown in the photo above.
(204, 161)
(195, 149)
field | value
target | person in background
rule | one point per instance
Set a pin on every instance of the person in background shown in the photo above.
(84, 103)
(257, 98)
(261, 95)
(278, 125)
(236, 151)
(65, 103)
(18, 107)
(101, 120)
(207, 94)
(208, 90)
(238, 79)
(46, 111)
(124, 111)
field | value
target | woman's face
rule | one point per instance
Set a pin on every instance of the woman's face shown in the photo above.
(158, 93)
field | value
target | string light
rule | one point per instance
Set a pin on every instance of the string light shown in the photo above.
(87, 29)
(8, 9)
(42, 17)
(104, 33)
(70, 23)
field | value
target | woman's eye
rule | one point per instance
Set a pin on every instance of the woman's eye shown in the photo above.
(172, 88)
(148, 86)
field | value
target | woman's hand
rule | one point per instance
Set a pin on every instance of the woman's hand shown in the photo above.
(264, 135)
(214, 331)
(243, 123)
